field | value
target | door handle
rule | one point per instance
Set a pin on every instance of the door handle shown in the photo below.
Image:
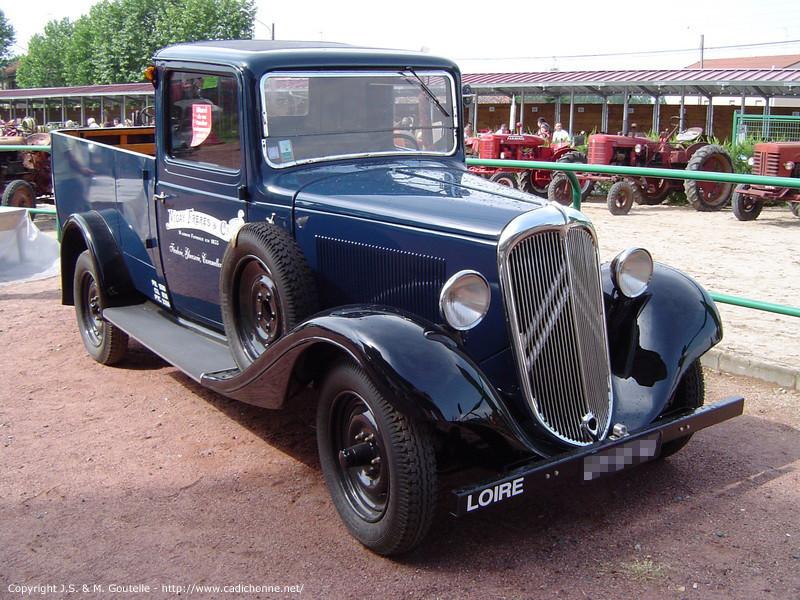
(161, 197)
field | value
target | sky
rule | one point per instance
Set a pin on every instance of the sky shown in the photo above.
(522, 36)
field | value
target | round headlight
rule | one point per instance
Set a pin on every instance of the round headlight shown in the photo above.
(751, 161)
(631, 271)
(637, 148)
(788, 165)
(464, 300)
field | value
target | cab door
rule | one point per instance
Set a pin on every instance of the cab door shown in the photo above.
(200, 186)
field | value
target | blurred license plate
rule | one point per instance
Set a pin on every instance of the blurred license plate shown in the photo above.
(618, 458)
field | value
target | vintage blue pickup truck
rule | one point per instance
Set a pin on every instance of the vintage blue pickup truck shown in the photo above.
(300, 219)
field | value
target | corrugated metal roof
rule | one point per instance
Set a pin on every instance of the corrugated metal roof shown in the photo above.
(716, 82)
(779, 61)
(119, 89)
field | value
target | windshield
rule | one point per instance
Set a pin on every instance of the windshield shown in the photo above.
(320, 116)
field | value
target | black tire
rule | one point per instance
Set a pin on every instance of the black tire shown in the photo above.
(690, 394)
(560, 189)
(505, 178)
(654, 191)
(709, 195)
(621, 197)
(266, 288)
(745, 208)
(526, 181)
(106, 343)
(386, 500)
(20, 193)
(587, 185)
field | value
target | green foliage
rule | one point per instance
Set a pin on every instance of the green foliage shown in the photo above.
(43, 66)
(7, 36)
(114, 43)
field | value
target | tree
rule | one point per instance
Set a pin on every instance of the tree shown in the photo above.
(7, 36)
(43, 66)
(114, 43)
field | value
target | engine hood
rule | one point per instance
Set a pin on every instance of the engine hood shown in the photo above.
(444, 199)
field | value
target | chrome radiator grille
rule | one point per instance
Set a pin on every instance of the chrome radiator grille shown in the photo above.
(555, 306)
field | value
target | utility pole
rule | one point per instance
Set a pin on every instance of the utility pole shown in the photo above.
(702, 47)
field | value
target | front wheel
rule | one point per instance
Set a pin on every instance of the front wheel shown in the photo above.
(106, 343)
(505, 178)
(745, 208)
(621, 197)
(689, 395)
(379, 465)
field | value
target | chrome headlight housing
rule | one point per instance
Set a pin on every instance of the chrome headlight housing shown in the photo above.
(631, 271)
(788, 165)
(464, 300)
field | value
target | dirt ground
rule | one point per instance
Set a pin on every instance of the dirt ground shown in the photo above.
(134, 481)
(759, 260)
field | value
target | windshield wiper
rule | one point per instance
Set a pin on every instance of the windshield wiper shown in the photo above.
(427, 90)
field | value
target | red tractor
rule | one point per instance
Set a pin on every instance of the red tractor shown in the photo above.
(685, 152)
(775, 159)
(510, 146)
(24, 175)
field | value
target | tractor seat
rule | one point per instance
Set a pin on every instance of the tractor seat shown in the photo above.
(690, 134)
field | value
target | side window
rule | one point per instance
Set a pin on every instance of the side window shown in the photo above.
(204, 119)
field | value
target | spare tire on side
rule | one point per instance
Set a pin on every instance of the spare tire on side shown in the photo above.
(266, 288)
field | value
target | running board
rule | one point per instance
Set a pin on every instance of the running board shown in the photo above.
(192, 349)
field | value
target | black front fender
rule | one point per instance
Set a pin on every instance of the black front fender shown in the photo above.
(417, 366)
(653, 339)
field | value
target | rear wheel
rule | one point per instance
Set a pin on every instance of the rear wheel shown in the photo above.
(709, 195)
(106, 343)
(689, 395)
(20, 193)
(505, 178)
(621, 197)
(745, 208)
(379, 465)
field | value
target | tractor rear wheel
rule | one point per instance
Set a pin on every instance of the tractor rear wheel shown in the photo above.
(709, 195)
(20, 193)
(745, 208)
(621, 197)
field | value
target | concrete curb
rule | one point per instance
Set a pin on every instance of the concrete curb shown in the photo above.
(738, 365)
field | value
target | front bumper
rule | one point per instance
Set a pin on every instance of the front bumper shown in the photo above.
(594, 461)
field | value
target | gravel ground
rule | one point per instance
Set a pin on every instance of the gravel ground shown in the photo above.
(136, 476)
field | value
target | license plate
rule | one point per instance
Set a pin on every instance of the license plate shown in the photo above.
(618, 458)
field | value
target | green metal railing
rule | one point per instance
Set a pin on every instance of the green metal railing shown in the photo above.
(571, 168)
(24, 148)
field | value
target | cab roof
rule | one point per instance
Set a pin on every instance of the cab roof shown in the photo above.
(259, 56)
